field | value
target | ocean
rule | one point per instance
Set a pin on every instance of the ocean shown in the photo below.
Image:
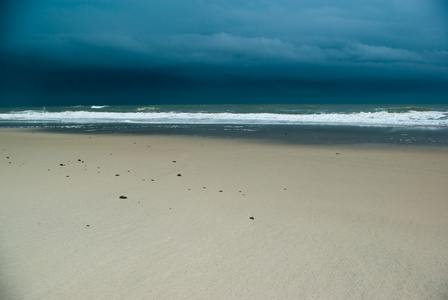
(425, 125)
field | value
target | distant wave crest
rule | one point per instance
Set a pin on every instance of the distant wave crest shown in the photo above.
(147, 108)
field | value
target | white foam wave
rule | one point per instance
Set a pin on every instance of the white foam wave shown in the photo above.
(381, 118)
(147, 108)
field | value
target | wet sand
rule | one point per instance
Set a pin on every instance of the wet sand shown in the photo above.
(154, 217)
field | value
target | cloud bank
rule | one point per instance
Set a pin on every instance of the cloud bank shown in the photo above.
(288, 44)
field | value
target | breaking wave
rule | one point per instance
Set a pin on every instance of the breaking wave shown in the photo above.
(387, 117)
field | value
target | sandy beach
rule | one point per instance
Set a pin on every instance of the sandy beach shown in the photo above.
(156, 217)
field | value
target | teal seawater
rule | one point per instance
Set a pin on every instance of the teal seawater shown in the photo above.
(425, 125)
(353, 115)
(243, 108)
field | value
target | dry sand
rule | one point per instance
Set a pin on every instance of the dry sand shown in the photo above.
(328, 222)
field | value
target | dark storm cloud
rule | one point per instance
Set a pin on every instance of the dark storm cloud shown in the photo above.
(149, 46)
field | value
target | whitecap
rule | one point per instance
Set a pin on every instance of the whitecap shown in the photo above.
(378, 118)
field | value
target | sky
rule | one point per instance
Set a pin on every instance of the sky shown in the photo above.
(73, 52)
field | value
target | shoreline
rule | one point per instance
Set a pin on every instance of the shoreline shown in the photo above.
(311, 135)
(329, 221)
